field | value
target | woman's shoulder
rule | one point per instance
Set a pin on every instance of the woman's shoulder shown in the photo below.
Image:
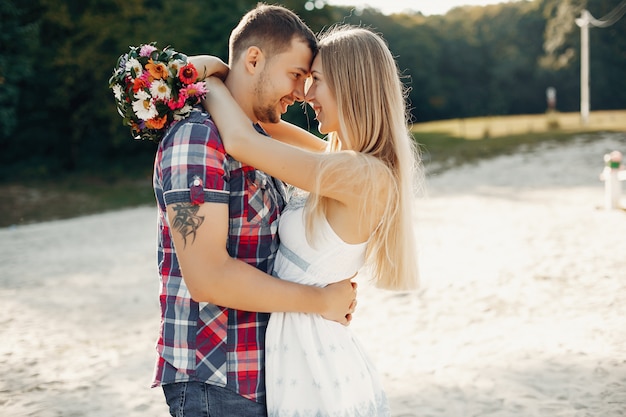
(364, 168)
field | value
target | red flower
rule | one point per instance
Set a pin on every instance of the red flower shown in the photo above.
(188, 74)
(138, 84)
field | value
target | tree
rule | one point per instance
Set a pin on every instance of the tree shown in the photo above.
(18, 42)
(57, 114)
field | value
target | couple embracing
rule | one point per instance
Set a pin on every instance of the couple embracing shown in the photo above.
(231, 178)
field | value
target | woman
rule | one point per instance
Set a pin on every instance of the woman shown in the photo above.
(354, 210)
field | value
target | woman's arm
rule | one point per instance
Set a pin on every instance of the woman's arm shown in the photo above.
(294, 135)
(289, 163)
(208, 65)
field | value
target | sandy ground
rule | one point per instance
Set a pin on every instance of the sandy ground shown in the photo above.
(522, 311)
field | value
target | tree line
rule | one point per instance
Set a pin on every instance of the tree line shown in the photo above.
(57, 115)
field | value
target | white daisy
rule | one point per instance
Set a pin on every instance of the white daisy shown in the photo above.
(117, 92)
(134, 65)
(175, 66)
(160, 90)
(143, 107)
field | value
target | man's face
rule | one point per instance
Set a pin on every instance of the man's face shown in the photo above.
(281, 82)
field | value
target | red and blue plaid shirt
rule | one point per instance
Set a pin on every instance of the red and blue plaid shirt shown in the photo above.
(200, 341)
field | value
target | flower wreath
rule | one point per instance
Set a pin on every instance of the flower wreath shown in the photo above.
(154, 88)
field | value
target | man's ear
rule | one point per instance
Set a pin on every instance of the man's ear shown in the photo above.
(254, 59)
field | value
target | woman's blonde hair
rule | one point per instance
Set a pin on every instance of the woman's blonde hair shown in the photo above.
(380, 157)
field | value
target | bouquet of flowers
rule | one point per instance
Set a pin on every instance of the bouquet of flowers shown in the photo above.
(154, 88)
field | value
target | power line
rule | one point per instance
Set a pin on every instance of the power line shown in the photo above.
(610, 19)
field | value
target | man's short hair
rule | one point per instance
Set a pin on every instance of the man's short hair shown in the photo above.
(270, 28)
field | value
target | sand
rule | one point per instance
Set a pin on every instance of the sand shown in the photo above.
(522, 310)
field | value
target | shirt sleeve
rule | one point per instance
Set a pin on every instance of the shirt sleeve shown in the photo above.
(194, 165)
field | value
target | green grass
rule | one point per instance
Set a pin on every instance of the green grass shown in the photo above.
(70, 197)
(441, 151)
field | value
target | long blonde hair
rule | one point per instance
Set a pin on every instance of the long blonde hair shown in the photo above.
(380, 157)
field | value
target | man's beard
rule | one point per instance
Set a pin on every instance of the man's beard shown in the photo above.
(263, 112)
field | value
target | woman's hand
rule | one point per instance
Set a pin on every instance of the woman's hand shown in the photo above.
(342, 302)
(209, 65)
(217, 85)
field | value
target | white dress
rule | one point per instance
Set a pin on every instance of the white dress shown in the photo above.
(316, 367)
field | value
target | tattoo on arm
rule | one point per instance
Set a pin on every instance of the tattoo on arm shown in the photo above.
(187, 221)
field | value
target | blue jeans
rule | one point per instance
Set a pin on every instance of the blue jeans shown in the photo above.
(197, 399)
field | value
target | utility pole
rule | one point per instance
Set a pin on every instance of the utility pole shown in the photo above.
(584, 21)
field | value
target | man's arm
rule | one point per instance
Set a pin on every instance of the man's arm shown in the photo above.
(200, 233)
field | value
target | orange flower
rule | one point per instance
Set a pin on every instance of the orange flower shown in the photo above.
(158, 71)
(156, 122)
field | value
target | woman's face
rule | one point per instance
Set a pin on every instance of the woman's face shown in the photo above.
(321, 99)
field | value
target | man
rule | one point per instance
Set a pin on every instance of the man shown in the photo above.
(218, 224)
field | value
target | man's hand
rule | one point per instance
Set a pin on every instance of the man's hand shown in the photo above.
(341, 302)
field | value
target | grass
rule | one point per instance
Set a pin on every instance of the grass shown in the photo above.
(70, 197)
(502, 126)
(447, 143)
(444, 144)
(440, 152)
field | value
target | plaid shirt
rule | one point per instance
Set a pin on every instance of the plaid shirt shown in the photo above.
(200, 341)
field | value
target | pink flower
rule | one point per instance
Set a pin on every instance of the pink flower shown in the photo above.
(194, 90)
(146, 50)
(177, 104)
